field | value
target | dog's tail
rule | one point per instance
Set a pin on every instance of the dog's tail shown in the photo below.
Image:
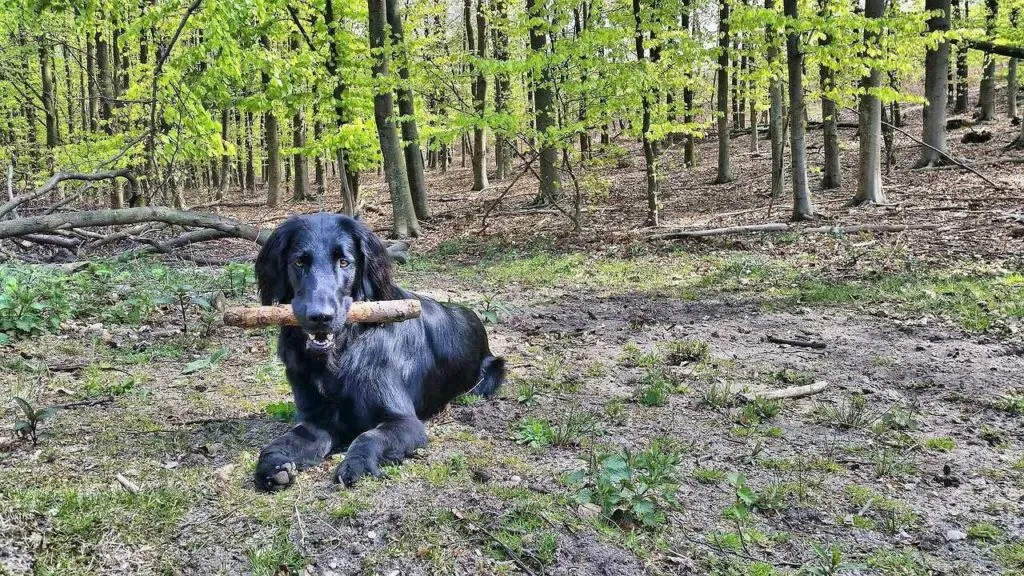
(492, 374)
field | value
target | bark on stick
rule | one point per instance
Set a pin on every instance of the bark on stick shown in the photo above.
(360, 312)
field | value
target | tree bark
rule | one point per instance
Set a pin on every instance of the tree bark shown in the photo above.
(300, 165)
(724, 169)
(776, 131)
(405, 223)
(960, 105)
(318, 162)
(869, 176)
(544, 105)
(650, 151)
(407, 109)
(690, 145)
(92, 84)
(479, 94)
(502, 90)
(272, 141)
(250, 160)
(225, 159)
(987, 98)
(1011, 74)
(49, 96)
(936, 65)
(68, 90)
(802, 209)
(832, 175)
(347, 182)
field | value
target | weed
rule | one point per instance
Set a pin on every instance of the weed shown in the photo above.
(828, 561)
(1011, 556)
(631, 487)
(615, 410)
(29, 426)
(757, 411)
(468, 399)
(891, 516)
(634, 357)
(279, 556)
(940, 444)
(708, 475)
(1012, 404)
(790, 377)
(282, 411)
(887, 463)
(526, 391)
(656, 386)
(680, 351)
(718, 395)
(596, 369)
(535, 433)
(772, 498)
(984, 531)
(902, 563)
(994, 436)
(850, 413)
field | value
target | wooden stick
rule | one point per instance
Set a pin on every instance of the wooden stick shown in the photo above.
(360, 312)
(787, 393)
(803, 343)
(781, 227)
(127, 484)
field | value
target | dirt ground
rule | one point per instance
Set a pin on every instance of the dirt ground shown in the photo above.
(911, 461)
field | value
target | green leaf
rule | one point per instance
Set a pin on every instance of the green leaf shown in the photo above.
(196, 365)
(22, 426)
(46, 413)
(26, 408)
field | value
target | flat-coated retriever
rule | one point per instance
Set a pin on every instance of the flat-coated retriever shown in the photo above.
(361, 386)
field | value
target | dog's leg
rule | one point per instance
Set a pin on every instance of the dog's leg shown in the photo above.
(390, 442)
(300, 447)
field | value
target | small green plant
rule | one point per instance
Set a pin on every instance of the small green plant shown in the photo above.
(984, 531)
(940, 444)
(680, 351)
(573, 428)
(718, 395)
(850, 413)
(828, 561)
(994, 435)
(283, 411)
(32, 301)
(758, 411)
(526, 391)
(708, 475)
(615, 410)
(634, 357)
(1011, 556)
(28, 427)
(1012, 404)
(596, 369)
(890, 516)
(238, 276)
(468, 399)
(888, 463)
(656, 386)
(490, 307)
(535, 433)
(790, 377)
(631, 487)
(206, 361)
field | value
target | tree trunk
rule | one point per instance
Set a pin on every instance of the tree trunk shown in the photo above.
(272, 140)
(832, 176)
(225, 159)
(106, 94)
(1011, 75)
(724, 170)
(479, 95)
(544, 104)
(802, 209)
(502, 90)
(650, 151)
(49, 96)
(936, 65)
(69, 90)
(347, 184)
(406, 108)
(580, 16)
(869, 176)
(300, 165)
(405, 223)
(987, 98)
(318, 162)
(776, 131)
(689, 144)
(960, 106)
(92, 84)
(250, 161)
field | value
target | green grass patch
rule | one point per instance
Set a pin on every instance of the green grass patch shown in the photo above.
(984, 531)
(940, 444)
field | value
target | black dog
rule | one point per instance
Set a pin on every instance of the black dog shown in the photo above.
(364, 387)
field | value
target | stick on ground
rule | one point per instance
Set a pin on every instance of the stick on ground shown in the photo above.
(360, 312)
(801, 343)
(787, 393)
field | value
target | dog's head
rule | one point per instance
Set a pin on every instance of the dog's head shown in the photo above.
(320, 264)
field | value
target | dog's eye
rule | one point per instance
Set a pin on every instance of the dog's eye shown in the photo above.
(342, 263)
(298, 263)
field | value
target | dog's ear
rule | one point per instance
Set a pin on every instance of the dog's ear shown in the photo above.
(373, 276)
(272, 267)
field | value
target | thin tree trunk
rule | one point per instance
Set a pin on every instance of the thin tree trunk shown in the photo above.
(802, 209)
(936, 65)
(1011, 75)
(987, 98)
(348, 182)
(405, 223)
(406, 108)
(225, 160)
(69, 90)
(250, 160)
(776, 132)
(300, 164)
(832, 176)
(479, 98)
(272, 140)
(650, 151)
(869, 176)
(502, 90)
(92, 84)
(724, 170)
(318, 162)
(546, 119)
(49, 97)
(960, 106)
(689, 145)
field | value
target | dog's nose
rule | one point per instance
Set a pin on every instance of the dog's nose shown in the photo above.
(323, 317)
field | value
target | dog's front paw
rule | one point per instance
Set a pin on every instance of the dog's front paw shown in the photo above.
(274, 471)
(353, 468)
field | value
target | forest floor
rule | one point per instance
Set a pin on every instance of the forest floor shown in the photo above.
(910, 462)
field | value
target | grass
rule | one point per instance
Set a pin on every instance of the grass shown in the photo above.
(889, 515)
(1010, 556)
(708, 475)
(940, 444)
(656, 386)
(276, 556)
(718, 395)
(984, 531)
(679, 352)
(850, 413)
(1012, 404)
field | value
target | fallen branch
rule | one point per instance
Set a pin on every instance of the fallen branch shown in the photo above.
(787, 393)
(52, 240)
(360, 312)
(781, 227)
(127, 484)
(61, 177)
(788, 342)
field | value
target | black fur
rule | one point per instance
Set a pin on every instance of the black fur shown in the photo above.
(371, 391)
